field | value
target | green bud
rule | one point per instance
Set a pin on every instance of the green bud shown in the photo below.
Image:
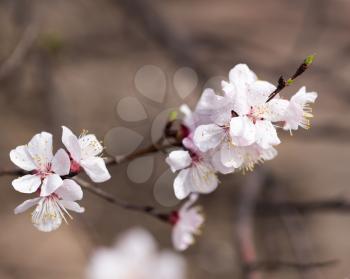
(308, 61)
(290, 81)
(172, 115)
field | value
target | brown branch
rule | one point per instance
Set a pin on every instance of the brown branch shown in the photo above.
(276, 265)
(146, 209)
(282, 83)
(309, 207)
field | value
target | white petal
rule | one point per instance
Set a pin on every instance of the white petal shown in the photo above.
(50, 184)
(27, 184)
(40, 149)
(209, 101)
(21, 158)
(276, 110)
(231, 156)
(61, 163)
(242, 131)
(218, 164)
(178, 160)
(47, 216)
(203, 178)
(71, 142)
(96, 169)
(90, 146)
(302, 97)
(259, 91)
(182, 186)
(268, 154)
(241, 76)
(26, 205)
(266, 135)
(209, 136)
(72, 206)
(70, 190)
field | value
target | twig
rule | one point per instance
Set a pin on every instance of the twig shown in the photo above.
(20, 51)
(282, 83)
(290, 207)
(149, 210)
(276, 265)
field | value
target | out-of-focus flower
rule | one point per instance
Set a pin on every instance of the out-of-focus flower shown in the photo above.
(135, 256)
(186, 223)
(45, 169)
(196, 173)
(85, 152)
(51, 209)
(299, 110)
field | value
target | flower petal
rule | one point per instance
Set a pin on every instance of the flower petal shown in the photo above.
(27, 184)
(203, 178)
(70, 190)
(72, 206)
(182, 186)
(50, 184)
(40, 149)
(209, 136)
(266, 135)
(259, 91)
(71, 142)
(21, 158)
(276, 110)
(178, 159)
(95, 168)
(241, 76)
(90, 146)
(242, 131)
(231, 156)
(61, 162)
(26, 205)
(218, 164)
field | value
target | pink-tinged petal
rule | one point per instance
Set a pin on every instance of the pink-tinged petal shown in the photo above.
(209, 136)
(178, 160)
(40, 149)
(50, 184)
(218, 164)
(71, 142)
(258, 92)
(61, 163)
(26, 205)
(182, 186)
(242, 131)
(27, 184)
(96, 169)
(190, 201)
(266, 135)
(209, 101)
(90, 146)
(231, 156)
(70, 190)
(72, 206)
(21, 158)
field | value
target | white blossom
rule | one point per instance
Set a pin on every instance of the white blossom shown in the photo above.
(135, 256)
(196, 174)
(186, 224)
(43, 168)
(85, 152)
(299, 111)
(52, 209)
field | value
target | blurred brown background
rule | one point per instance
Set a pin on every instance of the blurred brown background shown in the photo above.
(71, 62)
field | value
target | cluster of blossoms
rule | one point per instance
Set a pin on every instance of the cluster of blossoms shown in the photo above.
(135, 255)
(235, 130)
(48, 175)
